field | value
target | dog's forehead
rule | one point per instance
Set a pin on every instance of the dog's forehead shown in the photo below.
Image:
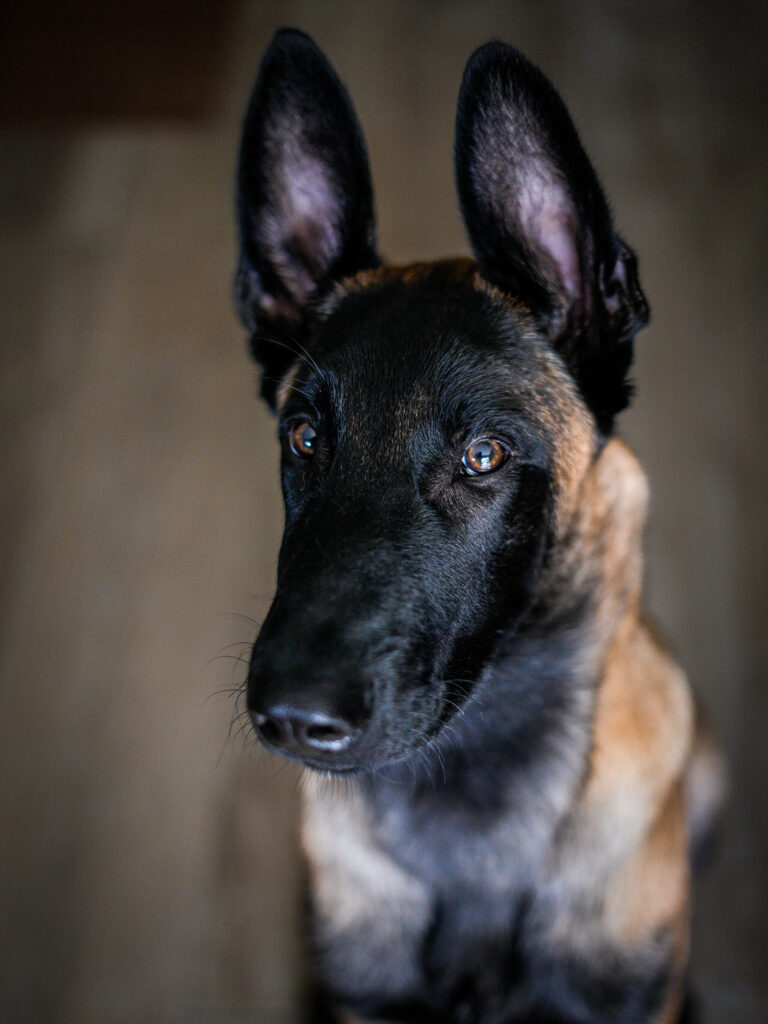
(423, 306)
(405, 336)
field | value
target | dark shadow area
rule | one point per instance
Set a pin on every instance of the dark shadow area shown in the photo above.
(148, 60)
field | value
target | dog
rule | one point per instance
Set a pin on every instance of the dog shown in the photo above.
(457, 628)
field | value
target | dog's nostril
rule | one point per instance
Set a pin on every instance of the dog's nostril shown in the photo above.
(330, 736)
(305, 733)
(271, 729)
(321, 733)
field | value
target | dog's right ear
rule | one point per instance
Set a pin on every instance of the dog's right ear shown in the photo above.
(304, 201)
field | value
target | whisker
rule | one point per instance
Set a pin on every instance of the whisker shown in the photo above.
(239, 615)
(292, 385)
(299, 351)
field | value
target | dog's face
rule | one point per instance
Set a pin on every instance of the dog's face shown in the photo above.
(435, 420)
(418, 483)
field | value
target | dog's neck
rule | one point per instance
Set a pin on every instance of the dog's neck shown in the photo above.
(594, 576)
(514, 759)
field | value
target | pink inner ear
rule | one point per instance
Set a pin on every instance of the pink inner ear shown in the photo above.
(557, 240)
(616, 288)
(550, 227)
(309, 199)
(303, 229)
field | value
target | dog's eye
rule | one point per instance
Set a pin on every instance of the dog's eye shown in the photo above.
(302, 437)
(484, 456)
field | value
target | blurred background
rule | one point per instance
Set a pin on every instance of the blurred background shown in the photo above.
(148, 858)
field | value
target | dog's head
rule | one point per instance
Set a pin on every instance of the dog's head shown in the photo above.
(435, 420)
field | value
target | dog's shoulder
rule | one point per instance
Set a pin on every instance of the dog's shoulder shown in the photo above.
(621, 864)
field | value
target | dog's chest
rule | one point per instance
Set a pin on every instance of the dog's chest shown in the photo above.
(370, 913)
(414, 913)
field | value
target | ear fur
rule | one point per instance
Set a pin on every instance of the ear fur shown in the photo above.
(540, 225)
(304, 201)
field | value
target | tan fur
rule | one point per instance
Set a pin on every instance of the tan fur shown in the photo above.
(642, 737)
(354, 880)
(620, 875)
(462, 270)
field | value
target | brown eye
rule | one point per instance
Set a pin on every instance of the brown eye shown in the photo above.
(302, 438)
(484, 456)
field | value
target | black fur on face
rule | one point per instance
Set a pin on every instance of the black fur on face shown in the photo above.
(400, 570)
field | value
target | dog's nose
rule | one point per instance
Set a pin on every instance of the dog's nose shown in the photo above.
(306, 734)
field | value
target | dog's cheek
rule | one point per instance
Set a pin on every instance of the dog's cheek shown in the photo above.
(529, 530)
(298, 483)
(509, 555)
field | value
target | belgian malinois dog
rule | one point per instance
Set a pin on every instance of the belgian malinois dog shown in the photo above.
(457, 626)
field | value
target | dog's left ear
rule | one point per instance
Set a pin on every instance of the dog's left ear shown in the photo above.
(304, 202)
(540, 225)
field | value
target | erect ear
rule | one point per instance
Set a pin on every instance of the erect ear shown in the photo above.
(540, 225)
(304, 203)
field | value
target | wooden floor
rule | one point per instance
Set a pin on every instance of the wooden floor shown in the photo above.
(148, 857)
